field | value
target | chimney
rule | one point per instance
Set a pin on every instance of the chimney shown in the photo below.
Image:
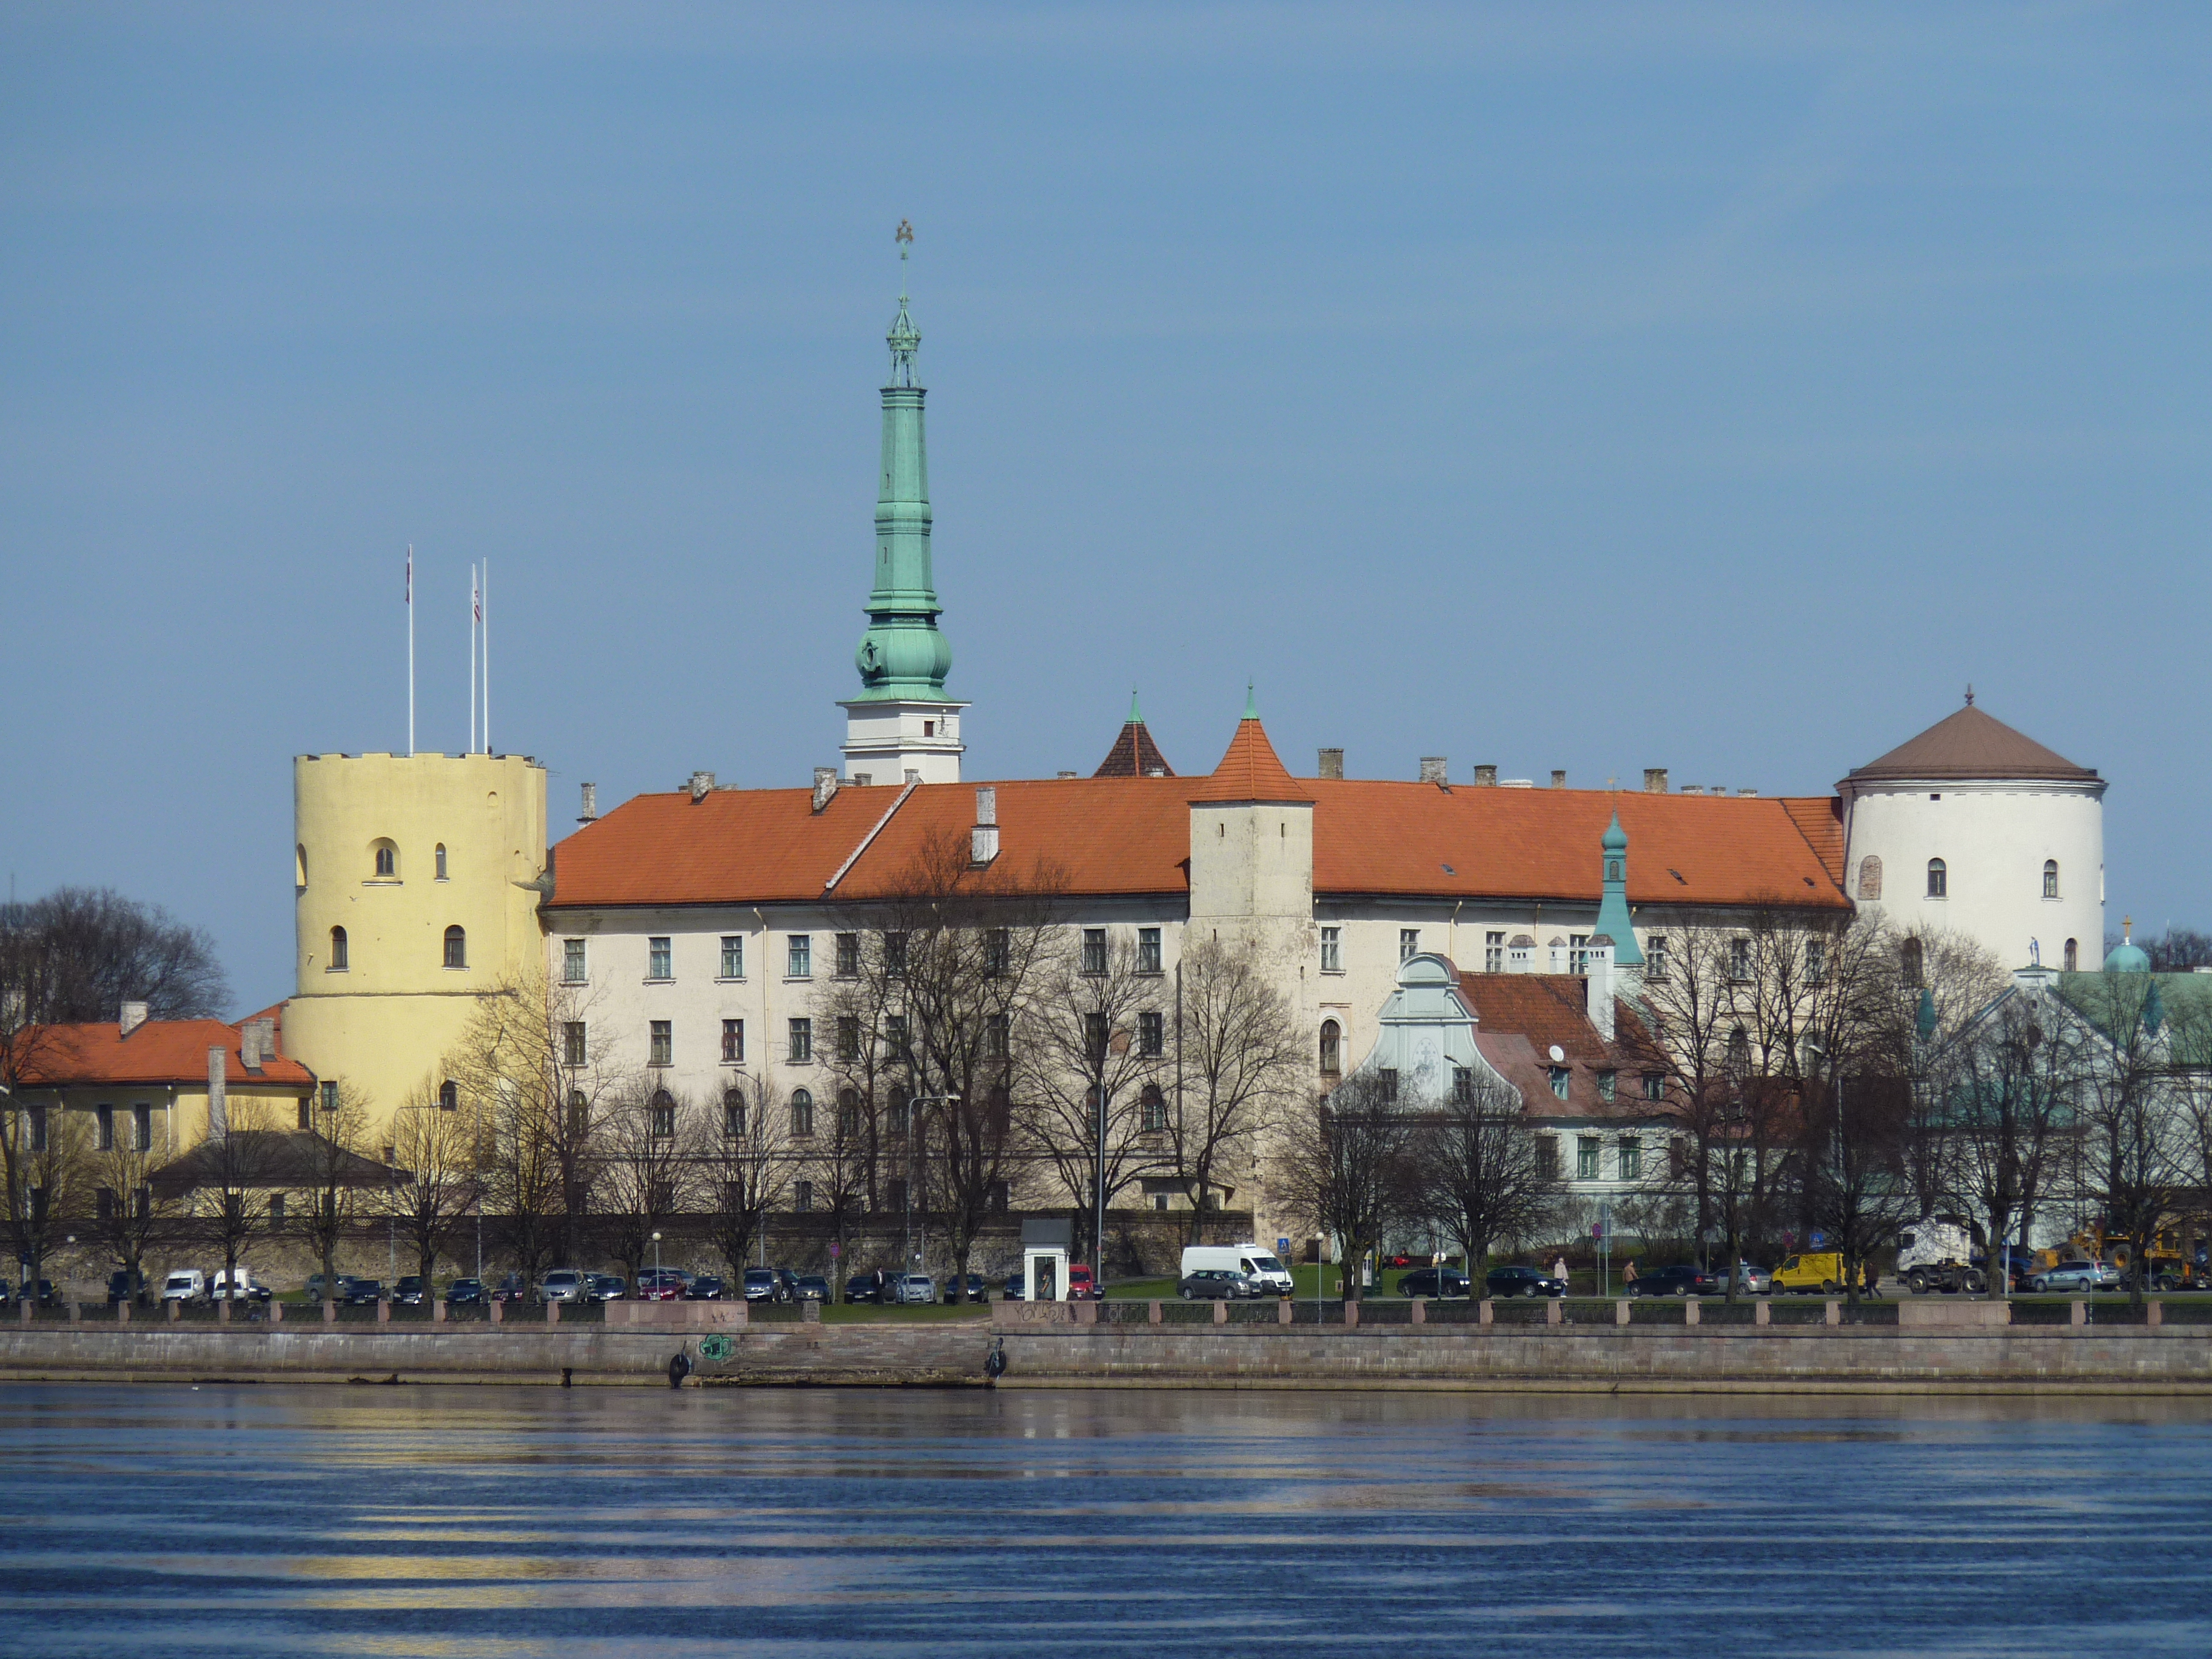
(1598, 987)
(1717, 789)
(134, 1016)
(1746, 792)
(862, 780)
(825, 786)
(1332, 763)
(983, 839)
(218, 1106)
(702, 784)
(1655, 779)
(1067, 775)
(257, 1043)
(1433, 768)
(1558, 779)
(913, 776)
(1693, 788)
(590, 812)
(1485, 777)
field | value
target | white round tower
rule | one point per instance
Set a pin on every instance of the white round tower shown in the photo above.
(1972, 828)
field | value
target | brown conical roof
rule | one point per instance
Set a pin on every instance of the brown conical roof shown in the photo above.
(1251, 771)
(1971, 745)
(1134, 755)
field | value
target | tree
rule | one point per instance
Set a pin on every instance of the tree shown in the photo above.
(97, 950)
(1239, 1057)
(129, 1212)
(44, 1158)
(1704, 1049)
(647, 1160)
(2133, 1123)
(436, 1182)
(1346, 1166)
(1481, 1177)
(2179, 950)
(233, 1176)
(334, 1176)
(744, 1164)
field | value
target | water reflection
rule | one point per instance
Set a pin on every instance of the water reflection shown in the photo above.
(540, 1522)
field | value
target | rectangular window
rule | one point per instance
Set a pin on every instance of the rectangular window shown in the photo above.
(306, 1112)
(330, 1097)
(1655, 957)
(1548, 1158)
(1332, 950)
(1151, 1034)
(1560, 1078)
(1654, 1086)
(895, 955)
(105, 1116)
(141, 1120)
(658, 959)
(572, 962)
(733, 1043)
(661, 1044)
(1389, 1076)
(802, 1197)
(1632, 1158)
(1463, 1086)
(572, 1042)
(802, 1043)
(105, 1201)
(734, 956)
(1816, 961)
(848, 1039)
(1579, 954)
(1148, 949)
(1606, 1082)
(996, 1197)
(38, 1128)
(848, 956)
(1493, 953)
(1094, 949)
(998, 949)
(277, 1209)
(1740, 960)
(895, 1036)
(799, 962)
(664, 1118)
(1409, 944)
(895, 1195)
(894, 1119)
(995, 1037)
(1154, 1105)
(1096, 1035)
(1586, 1157)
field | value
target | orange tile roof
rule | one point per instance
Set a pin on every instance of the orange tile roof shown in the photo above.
(1134, 755)
(162, 1051)
(1520, 1018)
(1970, 743)
(1132, 835)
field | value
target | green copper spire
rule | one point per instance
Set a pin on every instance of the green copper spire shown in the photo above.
(1136, 714)
(1612, 917)
(903, 655)
(1251, 702)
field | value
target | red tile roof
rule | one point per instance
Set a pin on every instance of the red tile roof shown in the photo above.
(1520, 1018)
(1122, 836)
(162, 1051)
(1134, 755)
(1971, 744)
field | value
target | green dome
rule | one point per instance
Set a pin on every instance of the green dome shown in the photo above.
(1615, 839)
(2129, 958)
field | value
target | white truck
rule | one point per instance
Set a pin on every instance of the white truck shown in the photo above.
(1936, 1253)
(184, 1285)
(1255, 1263)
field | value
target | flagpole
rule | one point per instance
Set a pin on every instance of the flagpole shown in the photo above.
(472, 659)
(410, 650)
(487, 655)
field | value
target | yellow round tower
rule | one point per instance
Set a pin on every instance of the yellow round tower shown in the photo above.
(417, 892)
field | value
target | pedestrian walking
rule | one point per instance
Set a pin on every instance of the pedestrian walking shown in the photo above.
(1559, 1270)
(1629, 1277)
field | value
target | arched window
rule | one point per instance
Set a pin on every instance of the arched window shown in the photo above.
(802, 1112)
(663, 1126)
(337, 951)
(1154, 1106)
(733, 1114)
(441, 860)
(1739, 1049)
(1869, 877)
(457, 948)
(449, 1095)
(2073, 956)
(580, 1116)
(1909, 961)
(2051, 878)
(387, 861)
(1331, 1048)
(1939, 879)
(848, 1115)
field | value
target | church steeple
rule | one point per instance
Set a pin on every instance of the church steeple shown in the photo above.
(1613, 913)
(900, 722)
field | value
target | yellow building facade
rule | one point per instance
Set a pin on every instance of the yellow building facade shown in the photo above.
(417, 879)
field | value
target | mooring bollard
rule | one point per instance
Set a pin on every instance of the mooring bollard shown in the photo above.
(1690, 1311)
(1419, 1314)
(222, 1311)
(1762, 1313)
(2080, 1312)
(1486, 1312)
(493, 1309)
(123, 1311)
(383, 1310)
(329, 1313)
(1351, 1311)
(1282, 1311)
(1555, 1310)
(2153, 1313)
(552, 1313)
(276, 1311)
(1155, 1314)
(1620, 1311)
(1221, 1313)
(1835, 1312)
(438, 1311)
(176, 1311)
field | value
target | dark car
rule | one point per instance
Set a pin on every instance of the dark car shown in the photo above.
(1216, 1284)
(1435, 1281)
(762, 1286)
(465, 1293)
(969, 1289)
(607, 1287)
(123, 1286)
(862, 1287)
(363, 1292)
(409, 1291)
(513, 1288)
(813, 1287)
(1524, 1281)
(703, 1288)
(1685, 1279)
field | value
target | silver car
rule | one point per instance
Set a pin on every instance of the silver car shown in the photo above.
(2077, 1276)
(1753, 1280)
(562, 1285)
(911, 1287)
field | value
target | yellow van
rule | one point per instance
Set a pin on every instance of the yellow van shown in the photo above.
(1822, 1270)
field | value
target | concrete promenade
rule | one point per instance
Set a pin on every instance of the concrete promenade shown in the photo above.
(1950, 1347)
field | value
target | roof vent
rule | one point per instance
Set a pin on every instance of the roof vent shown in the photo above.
(702, 784)
(1746, 792)
(1693, 788)
(1332, 763)
(1434, 767)
(590, 812)
(1717, 789)
(1067, 775)
(1558, 779)
(1655, 779)
(1517, 783)
(134, 1016)
(825, 786)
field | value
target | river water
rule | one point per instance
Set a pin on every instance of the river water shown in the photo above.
(514, 1521)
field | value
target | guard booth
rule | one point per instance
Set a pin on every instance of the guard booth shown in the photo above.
(1044, 1259)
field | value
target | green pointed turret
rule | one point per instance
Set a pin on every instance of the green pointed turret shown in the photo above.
(903, 655)
(1612, 917)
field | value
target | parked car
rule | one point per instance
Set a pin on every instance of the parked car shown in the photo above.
(410, 1291)
(363, 1292)
(465, 1293)
(123, 1286)
(1687, 1279)
(703, 1288)
(314, 1291)
(247, 1288)
(2079, 1276)
(513, 1288)
(762, 1286)
(660, 1284)
(184, 1285)
(971, 1289)
(913, 1287)
(563, 1285)
(863, 1287)
(44, 1295)
(1014, 1291)
(788, 1281)
(1443, 1281)
(813, 1287)
(1216, 1284)
(1752, 1279)
(607, 1287)
(1081, 1286)
(1526, 1281)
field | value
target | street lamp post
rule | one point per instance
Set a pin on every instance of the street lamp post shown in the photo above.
(656, 1264)
(913, 1137)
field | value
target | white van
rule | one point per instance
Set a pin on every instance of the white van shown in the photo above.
(1256, 1264)
(185, 1284)
(248, 1289)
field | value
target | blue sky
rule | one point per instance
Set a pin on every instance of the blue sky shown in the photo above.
(1715, 387)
